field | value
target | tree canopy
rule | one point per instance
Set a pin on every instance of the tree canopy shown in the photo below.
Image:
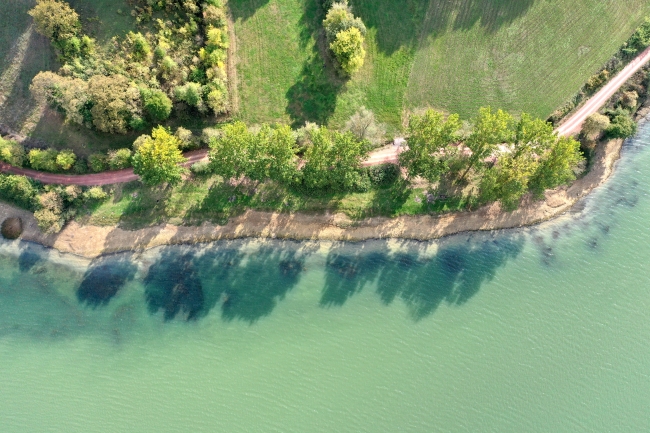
(157, 159)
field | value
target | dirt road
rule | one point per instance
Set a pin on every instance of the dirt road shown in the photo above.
(570, 126)
(573, 124)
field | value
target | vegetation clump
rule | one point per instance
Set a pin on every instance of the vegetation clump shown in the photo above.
(345, 35)
(12, 228)
(178, 63)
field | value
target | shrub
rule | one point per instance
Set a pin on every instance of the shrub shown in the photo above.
(201, 168)
(44, 160)
(384, 174)
(12, 228)
(594, 125)
(639, 40)
(189, 93)
(12, 152)
(622, 126)
(97, 162)
(629, 100)
(139, 46)
(364, 126)
(115, 101)
(95, 193)
(339, 19)
(157, 104)
(186, 138)
(51, 200)
(595, 82)
(65, 159)
(19, 190)
(119, 159)
(48, 221)
(348, 50)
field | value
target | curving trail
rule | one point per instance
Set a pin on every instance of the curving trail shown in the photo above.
(570, 126)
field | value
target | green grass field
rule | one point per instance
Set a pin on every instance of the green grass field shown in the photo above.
(454, 55)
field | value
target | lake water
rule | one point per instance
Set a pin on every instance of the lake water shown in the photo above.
(545, 329)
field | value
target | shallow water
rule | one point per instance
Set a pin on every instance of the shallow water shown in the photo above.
(535, 330)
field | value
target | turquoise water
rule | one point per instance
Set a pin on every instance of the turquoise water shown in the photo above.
(544, 329)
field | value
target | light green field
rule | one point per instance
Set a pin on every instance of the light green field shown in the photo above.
(455, 55)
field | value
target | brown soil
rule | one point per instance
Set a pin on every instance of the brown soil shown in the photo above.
(91, 241)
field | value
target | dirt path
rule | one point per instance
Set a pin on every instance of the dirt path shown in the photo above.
(570, 126)
(573, 124)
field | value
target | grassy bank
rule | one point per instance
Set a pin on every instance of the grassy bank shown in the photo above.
(202, 199)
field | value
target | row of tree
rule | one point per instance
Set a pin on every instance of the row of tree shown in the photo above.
(141, 78)
(503, 157)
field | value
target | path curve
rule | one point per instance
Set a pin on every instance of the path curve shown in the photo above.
(570, 126)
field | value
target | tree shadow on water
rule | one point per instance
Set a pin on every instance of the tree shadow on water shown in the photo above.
(245, 286)
(453, 275)
(104, 278)
(173, 286)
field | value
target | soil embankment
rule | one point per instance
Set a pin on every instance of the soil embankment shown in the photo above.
(92, 241)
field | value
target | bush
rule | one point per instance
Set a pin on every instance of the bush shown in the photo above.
(201, 168)
(189, 93)
(157, 104)
(19, 190)
(622, 126)
(364, 126)
(44, 160)
(97, 162)
(95, 193)
(66, 159)
(48, 221)
(594, 125)
(119, 159)
(12, 152)
(384, 174)
(12, 228)
(186, 138)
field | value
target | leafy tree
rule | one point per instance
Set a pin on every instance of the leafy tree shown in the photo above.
(119, 159)
(273, 155)
(230, 152)
(41, 159)
(622, 126)
(157, 104)
(363, 124)
(12, 152)
(333, 160)
(556, 166)
(140, 47)
(158, 158)
(639, 40)
(95, 193)
(339, 18)
(115, 101)
(507, 181)
(65, 159)
(348, 50)
(345, 36)
(430, 145)
(490, 129)
(55, 19)
(532, 136)
(594, 125)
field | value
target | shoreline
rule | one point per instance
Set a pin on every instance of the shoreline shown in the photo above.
(93, 241)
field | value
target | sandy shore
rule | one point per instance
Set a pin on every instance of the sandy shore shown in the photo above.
(92, 241)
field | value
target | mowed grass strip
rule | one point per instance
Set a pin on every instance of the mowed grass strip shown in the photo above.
(520, 55)
(454, 55)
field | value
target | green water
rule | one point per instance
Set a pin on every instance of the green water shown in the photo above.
(538, 330)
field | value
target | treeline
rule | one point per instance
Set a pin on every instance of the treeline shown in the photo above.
(142, 78)
(503, 157)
